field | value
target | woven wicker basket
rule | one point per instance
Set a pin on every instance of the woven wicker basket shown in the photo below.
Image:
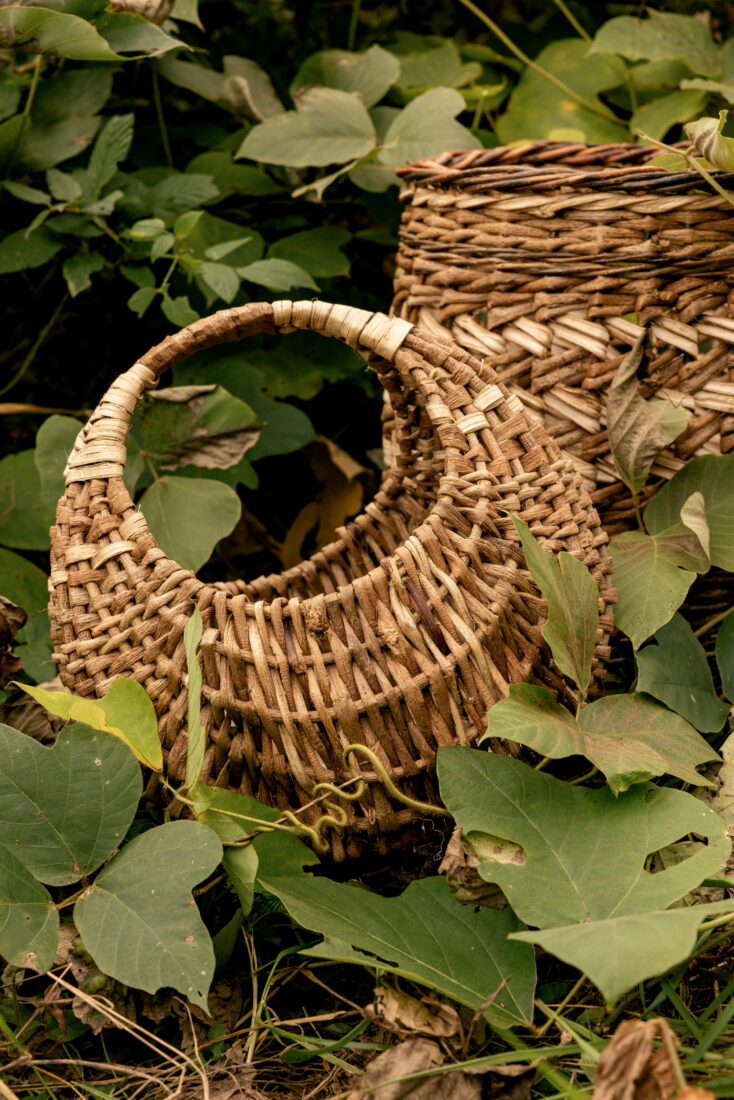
(551, 259)
(398, 636)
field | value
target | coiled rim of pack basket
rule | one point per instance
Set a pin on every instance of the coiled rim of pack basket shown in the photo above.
(475, 419)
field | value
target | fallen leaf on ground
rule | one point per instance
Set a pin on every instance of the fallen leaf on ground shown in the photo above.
(399, 1012)
(630, 1069)
(413, 1056)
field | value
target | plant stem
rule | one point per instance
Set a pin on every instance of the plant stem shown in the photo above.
(572, 20)
(552, 1075)
(353, 20)
(712, 622)
(161, 120)
(26, 114)
(597, 108)
(716, 922)
(691, 162)
(34, 350)
(564, 1003)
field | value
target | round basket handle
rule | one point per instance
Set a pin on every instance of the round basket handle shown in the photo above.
(100, 451)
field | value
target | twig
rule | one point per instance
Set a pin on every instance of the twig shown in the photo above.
(572, 20)
(34, 350)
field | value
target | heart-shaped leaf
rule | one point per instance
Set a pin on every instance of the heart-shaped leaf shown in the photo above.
(64, 809)
(29, 921)
(171, 502)
(620, 953)
(652, 573)
(629, 738)
(573, 607)
(582, 853)
(423, 935)
(138, 920)
(674, 669)
(713, 477)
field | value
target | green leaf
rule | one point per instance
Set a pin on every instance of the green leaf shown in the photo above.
(139, 921)
(233, 815)
(187, 11)
(573, 607)
(328, 127)
(77, 271)
(169, 506)
(580, 854)
(194, 77)
(64, 809)
(29, 921)
(317, 251)
(713, 477)
(36, 658)
(222, 279)
(24, 521)
(656, 117)
(241, 865)
(232, 178)
(180, 192)
(724, 649)
(125, 711)
(441, 65)
(629, 738)
(426, 126)
(422, 935)
(70, 92)
(56, 32)
(27, 586)
(196, 734)
(42, 147)
(140, 299)
(652, 573)
(662, 36)
(209, 230)
(178, 310)
(715, 87)
(638, 429)
(18, 252)
(54, 442)
(219, 251)
(27, 194)
(277, 275)
(370, 74)
(675, 671)
(110, 149)
(536, 107)
(707, 135)
(620, 953)
(249, 90)
(132, 34)
(201, 426)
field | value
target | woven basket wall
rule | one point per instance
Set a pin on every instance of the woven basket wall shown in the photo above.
(550, 259)
(399, 635)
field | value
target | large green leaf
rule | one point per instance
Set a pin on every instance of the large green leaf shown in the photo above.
(652, 573)
(657, 116)
(278, 275)
(54, 441)
(713, 477)
(423, 935)
(24, 521)
(25, 584)
(70, 92)
(64, 809)
(249, 90)
(427, 125)
(578, 854)
(328, 127)
(369, 74)
(195, 426)
(573, 606)
(629, 738)
(620, 953)
(42, 147)
(58, 33)
(188, 517)
(110, 149)
(19, 252)
(537, 108)
(674, 670)
(317, 251)
(29, 921)
(724, 652)
(662, 36)
(139, 921)
(438, 66)
(638, 429)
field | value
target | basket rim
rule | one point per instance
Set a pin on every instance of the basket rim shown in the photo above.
(554, 164)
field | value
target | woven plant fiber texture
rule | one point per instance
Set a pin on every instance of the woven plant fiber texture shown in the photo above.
(551, 260)
(399, 635)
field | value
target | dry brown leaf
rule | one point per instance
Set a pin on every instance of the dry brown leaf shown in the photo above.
(692, 1092)
(399, 1012)
(631, 1069)
(459, 865)
(413, 1056)
(155, 11)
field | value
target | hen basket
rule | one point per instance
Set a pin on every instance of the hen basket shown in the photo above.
(398, 636)
(552, 259)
